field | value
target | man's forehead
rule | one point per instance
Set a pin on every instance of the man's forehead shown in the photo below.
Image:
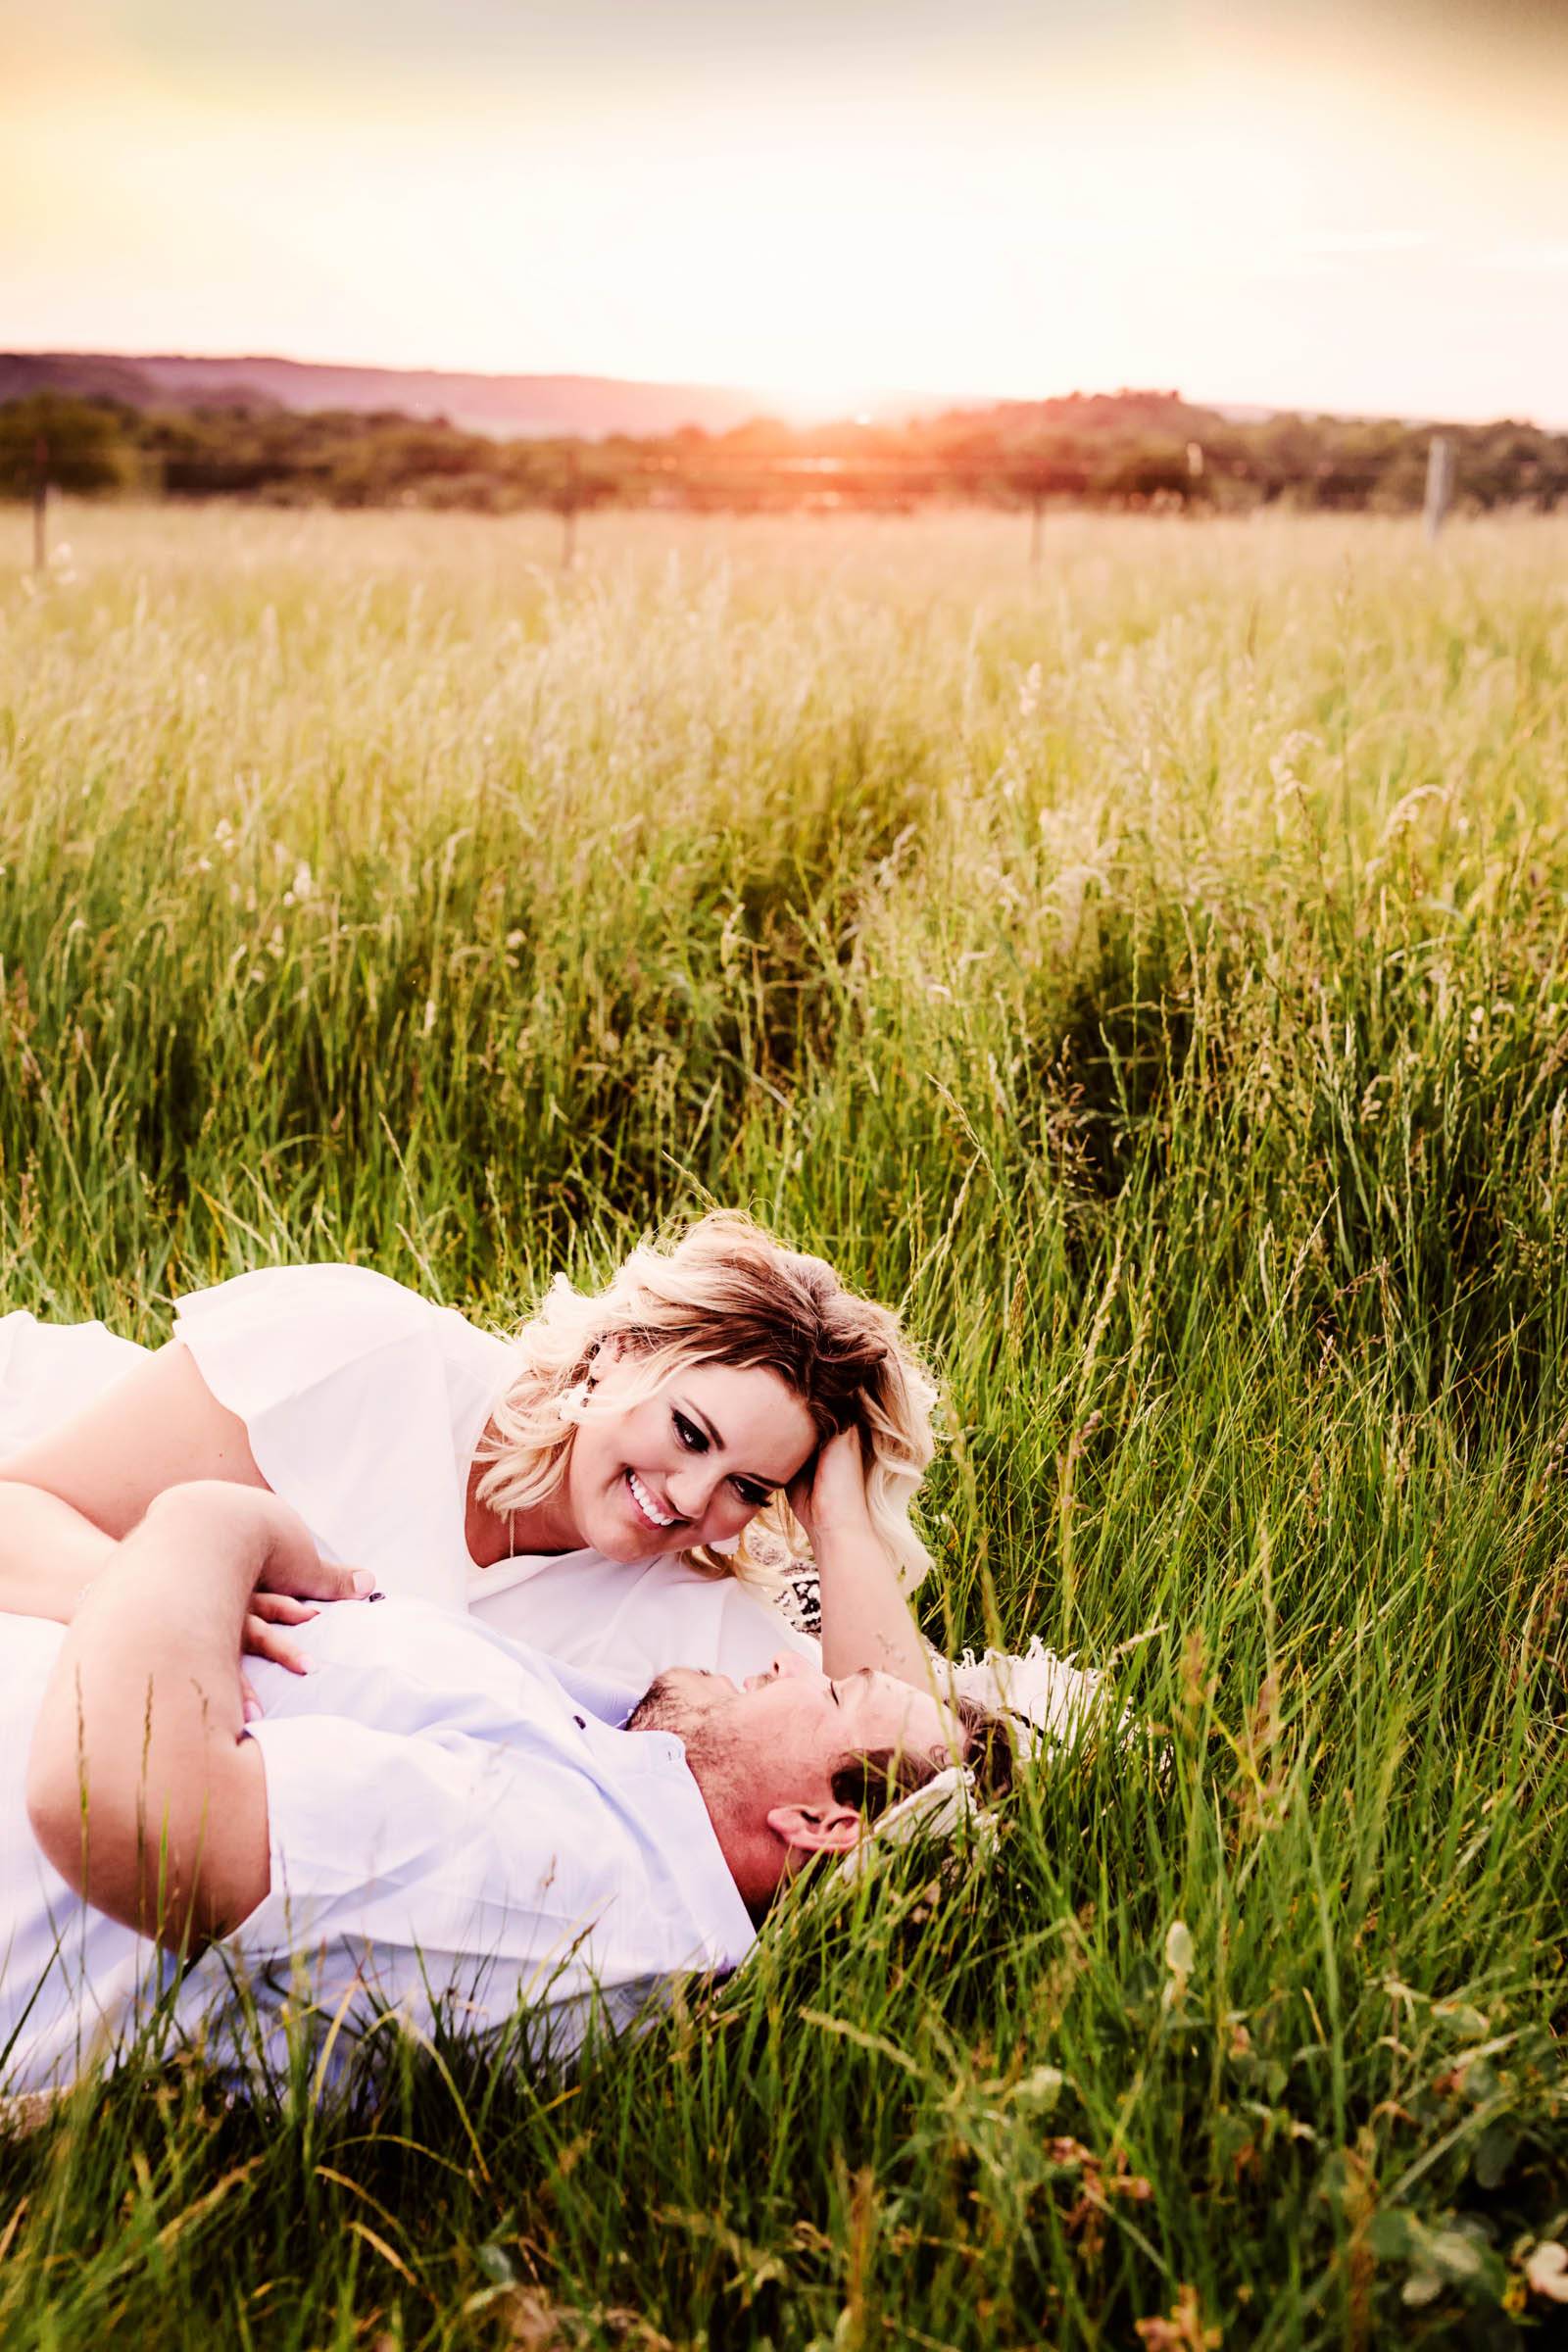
(923, 1720)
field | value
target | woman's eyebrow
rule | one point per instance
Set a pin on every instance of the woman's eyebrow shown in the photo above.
(759, 1478)
(697, 1414)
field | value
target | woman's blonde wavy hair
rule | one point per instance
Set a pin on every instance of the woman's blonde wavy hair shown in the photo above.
(723, 1292)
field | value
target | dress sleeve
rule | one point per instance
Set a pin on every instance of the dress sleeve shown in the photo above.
(340, 1376)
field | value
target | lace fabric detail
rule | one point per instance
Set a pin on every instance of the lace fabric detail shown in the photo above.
(797, 1588)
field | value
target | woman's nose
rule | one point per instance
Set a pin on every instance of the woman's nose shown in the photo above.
(690, 1493)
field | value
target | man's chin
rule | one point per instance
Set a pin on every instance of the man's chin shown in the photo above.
(659, 1709)
(676, 1701)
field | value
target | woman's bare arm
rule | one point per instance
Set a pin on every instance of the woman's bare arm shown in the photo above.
(66, 1499)
(49, 1553)
(160, 1427)
(865, 1619)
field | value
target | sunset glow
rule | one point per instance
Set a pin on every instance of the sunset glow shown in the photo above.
(985, 200)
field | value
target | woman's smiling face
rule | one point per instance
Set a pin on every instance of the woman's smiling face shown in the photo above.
(689, 1465)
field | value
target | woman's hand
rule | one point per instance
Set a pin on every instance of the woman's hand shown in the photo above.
(865, 1619)
(266, 1612)
(828, 1497)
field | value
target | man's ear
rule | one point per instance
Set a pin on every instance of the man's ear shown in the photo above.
(817, 1829)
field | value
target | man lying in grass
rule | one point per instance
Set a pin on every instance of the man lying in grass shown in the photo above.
(437, 1819)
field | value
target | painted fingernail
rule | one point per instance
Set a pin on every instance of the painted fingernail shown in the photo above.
(252, 1709)
(364, 1581)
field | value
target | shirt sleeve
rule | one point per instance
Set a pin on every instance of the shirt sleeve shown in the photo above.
(403, 1877)
(370, 1832)
(340, 1376)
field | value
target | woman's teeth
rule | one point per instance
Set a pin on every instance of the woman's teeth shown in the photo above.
(646, 1503)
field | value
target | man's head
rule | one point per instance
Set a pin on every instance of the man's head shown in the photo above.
(792, 1763)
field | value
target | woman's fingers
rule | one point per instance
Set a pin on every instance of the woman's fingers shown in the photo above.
(262, 1641)
(281, 1608)
(834, 1481)
(799, 1497)
(250, 1706)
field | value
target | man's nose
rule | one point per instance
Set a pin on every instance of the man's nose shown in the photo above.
(784, 1667)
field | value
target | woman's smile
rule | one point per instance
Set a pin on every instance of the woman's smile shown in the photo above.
(686, 1465)
(650, 1509)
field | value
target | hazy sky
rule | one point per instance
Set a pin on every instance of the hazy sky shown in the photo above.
(1349, 204)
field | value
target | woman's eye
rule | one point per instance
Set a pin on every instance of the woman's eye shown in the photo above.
(754, 1497)
(691, 1436)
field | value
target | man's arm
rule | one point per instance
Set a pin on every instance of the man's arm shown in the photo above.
(142, 1789)
(51, 1553)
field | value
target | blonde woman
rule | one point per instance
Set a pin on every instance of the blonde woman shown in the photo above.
(610, 1486)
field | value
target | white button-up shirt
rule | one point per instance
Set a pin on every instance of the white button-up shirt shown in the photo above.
(459, 1832)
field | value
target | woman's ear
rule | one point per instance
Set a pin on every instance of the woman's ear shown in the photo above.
(603, 1356)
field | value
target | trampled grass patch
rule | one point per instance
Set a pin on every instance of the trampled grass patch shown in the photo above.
(1150, 972)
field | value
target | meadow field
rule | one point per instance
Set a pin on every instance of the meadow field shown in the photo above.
(1148, 971)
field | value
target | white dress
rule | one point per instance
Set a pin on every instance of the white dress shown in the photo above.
(363, 1404)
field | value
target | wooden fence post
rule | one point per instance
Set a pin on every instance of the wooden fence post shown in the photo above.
(568, 514)
(1440, 483)
(40, 503)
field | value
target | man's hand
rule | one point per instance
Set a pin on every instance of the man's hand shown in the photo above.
(51, 1555)
(292, 1576)
(142, 1789)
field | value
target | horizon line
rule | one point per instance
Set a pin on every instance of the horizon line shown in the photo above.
(949, 401)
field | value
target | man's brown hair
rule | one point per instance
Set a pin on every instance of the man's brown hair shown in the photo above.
(873, 1778)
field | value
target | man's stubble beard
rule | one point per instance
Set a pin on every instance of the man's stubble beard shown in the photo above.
(659, 1709)
(709, 1757)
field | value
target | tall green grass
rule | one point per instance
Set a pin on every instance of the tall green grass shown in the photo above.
(1150, 973)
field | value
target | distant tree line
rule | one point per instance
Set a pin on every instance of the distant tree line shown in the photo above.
(1137, 450)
